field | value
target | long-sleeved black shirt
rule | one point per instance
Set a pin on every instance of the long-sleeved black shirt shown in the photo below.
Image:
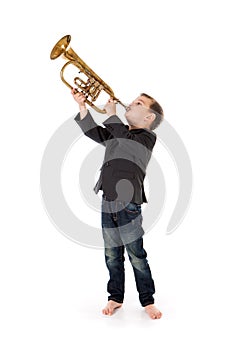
(126, 157)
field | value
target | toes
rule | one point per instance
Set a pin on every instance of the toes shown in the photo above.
(105, 312)
(153, 313)
(110, 308)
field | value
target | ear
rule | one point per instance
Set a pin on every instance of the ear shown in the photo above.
(151, 117)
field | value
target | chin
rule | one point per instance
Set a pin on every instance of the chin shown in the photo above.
(127, 118)
(129, 123)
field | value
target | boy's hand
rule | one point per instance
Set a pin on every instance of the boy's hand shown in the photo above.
(79, 98)
(110, 107)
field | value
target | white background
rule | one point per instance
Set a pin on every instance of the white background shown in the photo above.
(52, 290)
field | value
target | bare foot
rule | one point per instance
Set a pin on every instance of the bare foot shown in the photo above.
(153, 312)
(111, 307)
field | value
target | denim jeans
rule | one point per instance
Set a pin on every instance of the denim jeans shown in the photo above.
(122, 229)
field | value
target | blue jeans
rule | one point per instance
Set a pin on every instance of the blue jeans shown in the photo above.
(122, 229)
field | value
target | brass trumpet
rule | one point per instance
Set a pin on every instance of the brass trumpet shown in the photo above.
(92, 87)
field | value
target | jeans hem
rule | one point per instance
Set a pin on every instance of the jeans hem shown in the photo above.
(147, 303)
(116, 300)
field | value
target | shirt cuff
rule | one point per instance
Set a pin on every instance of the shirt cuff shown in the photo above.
(87, 123)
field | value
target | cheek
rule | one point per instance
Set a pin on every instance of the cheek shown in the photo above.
(133, 116)
(136, 116)
(129, 114)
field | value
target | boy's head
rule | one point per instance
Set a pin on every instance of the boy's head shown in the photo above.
(144, 112)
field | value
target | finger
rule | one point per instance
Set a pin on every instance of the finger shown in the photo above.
(75, 92)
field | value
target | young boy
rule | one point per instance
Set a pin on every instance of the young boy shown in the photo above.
(128, 151)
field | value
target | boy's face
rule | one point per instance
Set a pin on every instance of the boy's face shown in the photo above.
(138, 110)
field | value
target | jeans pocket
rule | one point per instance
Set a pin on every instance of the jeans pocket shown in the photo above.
(133, 208)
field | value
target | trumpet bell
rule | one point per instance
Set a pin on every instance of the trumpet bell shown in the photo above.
(60, 47)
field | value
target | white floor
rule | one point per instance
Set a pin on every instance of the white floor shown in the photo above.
(53, 296)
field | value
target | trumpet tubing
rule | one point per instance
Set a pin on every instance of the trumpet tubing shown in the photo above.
(93, 85)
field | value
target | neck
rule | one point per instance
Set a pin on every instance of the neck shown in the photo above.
(133, 127)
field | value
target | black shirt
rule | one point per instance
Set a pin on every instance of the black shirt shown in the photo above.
(126, 157)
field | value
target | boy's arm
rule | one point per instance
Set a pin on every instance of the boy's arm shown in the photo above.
(87, 123)
(91, 129)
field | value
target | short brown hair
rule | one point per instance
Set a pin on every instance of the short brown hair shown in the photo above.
(157, 109)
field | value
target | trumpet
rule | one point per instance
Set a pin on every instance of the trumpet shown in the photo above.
(92, 87)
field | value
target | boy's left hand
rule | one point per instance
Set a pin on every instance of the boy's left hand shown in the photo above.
(110, 107)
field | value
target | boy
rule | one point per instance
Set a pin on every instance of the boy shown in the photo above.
(128, 151)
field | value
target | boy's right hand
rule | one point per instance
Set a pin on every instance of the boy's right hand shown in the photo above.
(79, 98)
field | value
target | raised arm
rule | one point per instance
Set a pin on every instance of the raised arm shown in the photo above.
(87, 123)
